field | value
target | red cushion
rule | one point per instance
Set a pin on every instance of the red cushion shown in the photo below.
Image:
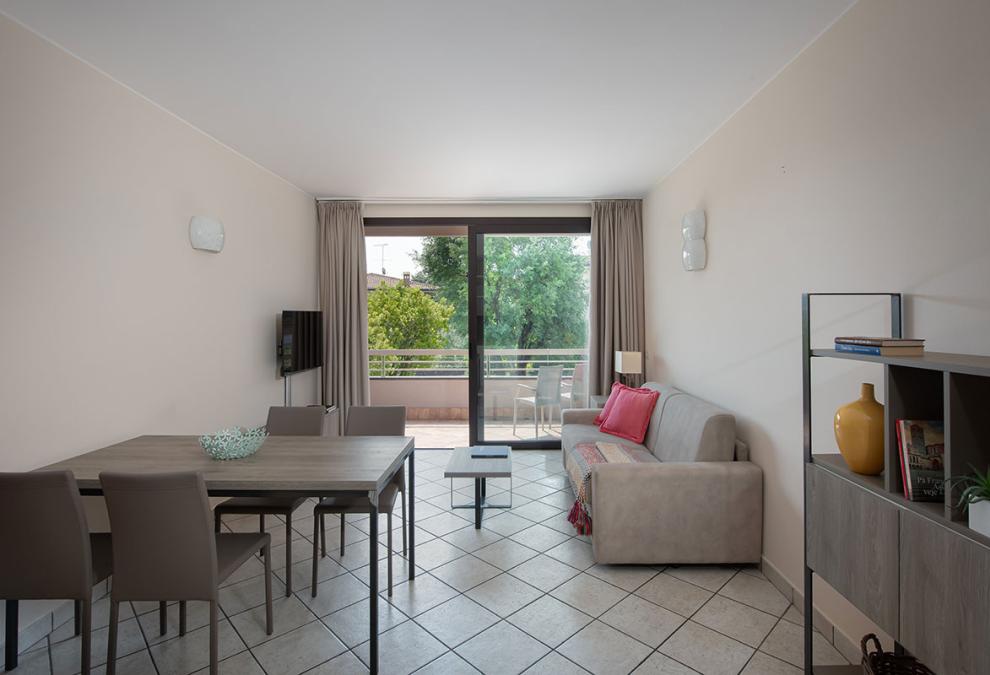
(630, 414)
(607, 408)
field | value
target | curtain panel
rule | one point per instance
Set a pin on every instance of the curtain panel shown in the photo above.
(618, 316)
(344, 302)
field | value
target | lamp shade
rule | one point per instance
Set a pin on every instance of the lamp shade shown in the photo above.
(629, 363)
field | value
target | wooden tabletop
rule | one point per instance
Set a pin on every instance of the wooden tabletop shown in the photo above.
(463, 465)
(284, 464)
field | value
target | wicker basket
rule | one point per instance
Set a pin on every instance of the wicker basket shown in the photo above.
(879, 662)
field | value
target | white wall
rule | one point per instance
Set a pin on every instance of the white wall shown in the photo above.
(864, 166)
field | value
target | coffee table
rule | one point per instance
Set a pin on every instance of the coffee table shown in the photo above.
(463, 465)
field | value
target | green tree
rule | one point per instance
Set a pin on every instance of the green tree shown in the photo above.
(536, 289)
(403, 317)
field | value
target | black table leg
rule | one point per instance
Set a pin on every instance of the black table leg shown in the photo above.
(10, 644)
(373, 561)
(477, 503)
(484, 488)
(412, 515)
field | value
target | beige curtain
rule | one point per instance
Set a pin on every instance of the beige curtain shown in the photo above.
(344, 301)
(617, 303)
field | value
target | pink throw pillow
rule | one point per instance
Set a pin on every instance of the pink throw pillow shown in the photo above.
(607, 408)
(630, 414)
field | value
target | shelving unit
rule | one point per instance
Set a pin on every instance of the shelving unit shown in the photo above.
(914, 568)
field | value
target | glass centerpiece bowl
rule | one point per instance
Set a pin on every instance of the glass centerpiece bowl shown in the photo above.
(233, 443)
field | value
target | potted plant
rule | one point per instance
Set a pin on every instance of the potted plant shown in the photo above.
(976, 498)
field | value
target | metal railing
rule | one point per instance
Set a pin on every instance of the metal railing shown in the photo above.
(453, 363)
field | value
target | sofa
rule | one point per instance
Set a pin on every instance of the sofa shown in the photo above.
(696, 497)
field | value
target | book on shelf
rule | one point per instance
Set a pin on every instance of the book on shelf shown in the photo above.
(878, 351)
(880, 341)
(921, 447)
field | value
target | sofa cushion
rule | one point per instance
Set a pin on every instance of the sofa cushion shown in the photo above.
(685, 428)
(613, 394)
(630, 414)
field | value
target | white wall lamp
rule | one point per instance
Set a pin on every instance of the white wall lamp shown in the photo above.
(206, 234)
(695, 252)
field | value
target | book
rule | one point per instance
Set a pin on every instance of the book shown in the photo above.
(881, 341)
(496, 452)
(922, 446)
(879, 351)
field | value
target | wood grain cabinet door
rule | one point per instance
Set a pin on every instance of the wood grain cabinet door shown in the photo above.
(945, 598)
(853, 544)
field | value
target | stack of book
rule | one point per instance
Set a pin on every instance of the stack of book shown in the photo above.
(880, 346)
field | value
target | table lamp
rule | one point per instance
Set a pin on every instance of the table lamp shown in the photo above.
(628, 363)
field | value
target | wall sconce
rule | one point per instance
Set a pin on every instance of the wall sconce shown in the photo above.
(695, 251)
(206, 234)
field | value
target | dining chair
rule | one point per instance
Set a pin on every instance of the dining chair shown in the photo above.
(164, 549)
(287, 421)
(365, 421)
(544, 396)
(48, 551)
(576, 395)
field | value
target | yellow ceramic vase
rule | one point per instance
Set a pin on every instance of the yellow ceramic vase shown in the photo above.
(859, 433)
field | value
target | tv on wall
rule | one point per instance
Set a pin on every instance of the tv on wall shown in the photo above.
(300, 342)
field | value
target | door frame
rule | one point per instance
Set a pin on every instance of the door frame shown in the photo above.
(477, 228)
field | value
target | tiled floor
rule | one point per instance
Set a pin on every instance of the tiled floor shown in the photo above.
(520, 595)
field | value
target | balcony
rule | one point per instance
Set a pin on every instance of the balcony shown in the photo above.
(433, 386)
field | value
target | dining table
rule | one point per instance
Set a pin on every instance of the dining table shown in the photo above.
(306, 466)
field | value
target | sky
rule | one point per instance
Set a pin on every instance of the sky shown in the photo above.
(398, 254)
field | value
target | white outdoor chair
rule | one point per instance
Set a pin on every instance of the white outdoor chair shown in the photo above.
(576, 396)
(544, 396)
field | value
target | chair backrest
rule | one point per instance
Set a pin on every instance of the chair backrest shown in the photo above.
(46, 550)
(580, 379)
(548, 384)
(376, 420)
(164, 547)
(296, 421)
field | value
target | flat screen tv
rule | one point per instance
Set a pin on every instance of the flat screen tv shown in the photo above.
(300, 341)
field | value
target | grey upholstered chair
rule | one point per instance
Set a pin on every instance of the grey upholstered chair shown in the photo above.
(48, 551)
(298, 421)
(164, 549)
(545, 396)
(365, 421)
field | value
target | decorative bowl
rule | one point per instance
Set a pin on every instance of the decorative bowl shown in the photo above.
(233, 443)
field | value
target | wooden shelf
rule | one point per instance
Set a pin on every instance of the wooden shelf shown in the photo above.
(968, 364)
(934, 511)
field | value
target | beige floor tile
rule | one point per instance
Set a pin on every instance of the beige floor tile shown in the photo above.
(589, 594)
(756, 592)
(66, 654)
(536, 511)
(562, 499)
(192, 652)
(555, 664)
(403, 649)
(489, 652)
(603, 650)
(436, 553)
(649, 623)
(247, 594)
(302, 573)
(342, 664)
(299, 650)
(786, 642)
(674, 594)
(626, 577)
(333, 594)
(506, 523)
(573, 552)
(240, 664)
(535, 490)
(659, 664)
(422, 593)
(457, 620)
(709, 577)
(448, 664)
(470, 539)
(505, 554)
(465, 573)
(549, 620)
(504, 594)
(442, 524)
(287, 614)
(197, 616)
(764, 664)
(543, 572)
(738, 621)
(540, 537)
(706, 651)
(350, 624)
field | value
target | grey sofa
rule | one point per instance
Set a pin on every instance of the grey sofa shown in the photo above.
(700, 501)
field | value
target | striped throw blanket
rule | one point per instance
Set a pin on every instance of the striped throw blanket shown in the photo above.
(584, 457)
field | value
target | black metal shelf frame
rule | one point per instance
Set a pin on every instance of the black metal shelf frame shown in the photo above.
(896, 330)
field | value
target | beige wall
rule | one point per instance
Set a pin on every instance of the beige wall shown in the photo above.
(864, 166)
(112, 324)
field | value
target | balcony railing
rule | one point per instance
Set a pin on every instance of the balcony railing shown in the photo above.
(453, 363)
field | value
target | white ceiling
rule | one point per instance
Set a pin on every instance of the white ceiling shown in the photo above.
(445, 99)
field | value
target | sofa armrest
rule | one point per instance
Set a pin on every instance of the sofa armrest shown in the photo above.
(579, 415)
(677, 512)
